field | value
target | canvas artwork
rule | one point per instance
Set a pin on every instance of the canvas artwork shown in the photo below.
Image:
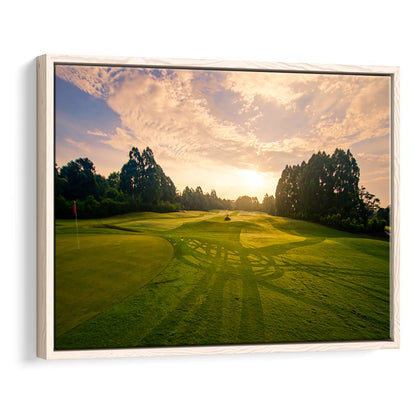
(207, 207)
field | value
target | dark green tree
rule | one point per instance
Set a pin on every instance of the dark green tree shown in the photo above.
(131, 175)
(384, 214)
(101, 186)
(289, 191)
(369, 205)
(326, 189)
(143, 180)
(316, 186)
(80, 178)
(346, 175)
(113, 180)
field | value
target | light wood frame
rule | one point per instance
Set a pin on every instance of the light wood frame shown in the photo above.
(45, 206)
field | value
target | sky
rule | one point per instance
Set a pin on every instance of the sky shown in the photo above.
(232, 131)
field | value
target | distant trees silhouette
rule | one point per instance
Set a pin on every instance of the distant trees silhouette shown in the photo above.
(247, 203)
(326, 189)
(197, 200)
(268, 205)
(140, 185)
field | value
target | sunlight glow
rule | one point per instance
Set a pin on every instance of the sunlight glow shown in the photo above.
(252, 178)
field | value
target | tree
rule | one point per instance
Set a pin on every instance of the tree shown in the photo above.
(131, 174)
(288, 191)
(80, 177)
(346, 175)
(316, 185)
(151, 178)
(144, 181)
(269, 204)
(384, 214)
(141, 184)
(369, 205)
(326, 189)
(247, 203)
(168, 189)
(197, 200)
(101, 186)
(113, 180)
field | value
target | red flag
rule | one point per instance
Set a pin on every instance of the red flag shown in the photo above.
(74, 208)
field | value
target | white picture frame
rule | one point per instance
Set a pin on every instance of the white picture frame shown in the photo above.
(45, 206)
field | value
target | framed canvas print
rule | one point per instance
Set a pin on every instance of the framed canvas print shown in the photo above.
(200, 207)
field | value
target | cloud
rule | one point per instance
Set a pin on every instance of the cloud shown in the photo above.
(243, 120)
(80, 145)
(99, 82)
(166, 114)
(96, 132)
(120, 139)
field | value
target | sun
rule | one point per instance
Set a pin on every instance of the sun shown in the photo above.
(252, 178)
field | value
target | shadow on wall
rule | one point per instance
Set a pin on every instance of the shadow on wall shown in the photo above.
(27, 231)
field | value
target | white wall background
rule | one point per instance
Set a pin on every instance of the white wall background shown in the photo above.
(337, 383)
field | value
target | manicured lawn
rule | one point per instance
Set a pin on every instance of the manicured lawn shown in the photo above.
(191, 278)
(104, 270)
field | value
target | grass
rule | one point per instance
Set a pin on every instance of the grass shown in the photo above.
(191, 278)
(103, 271)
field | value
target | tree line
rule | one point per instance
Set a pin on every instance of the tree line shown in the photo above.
(140, 185)
(326, 190)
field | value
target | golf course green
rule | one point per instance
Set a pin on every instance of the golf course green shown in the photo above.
(191, 278)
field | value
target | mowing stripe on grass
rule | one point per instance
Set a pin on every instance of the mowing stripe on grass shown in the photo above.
(314, 283)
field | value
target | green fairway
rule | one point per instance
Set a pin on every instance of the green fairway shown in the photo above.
(104, 270)
(191, 278)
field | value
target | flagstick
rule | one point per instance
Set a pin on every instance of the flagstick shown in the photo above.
(76, 223)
